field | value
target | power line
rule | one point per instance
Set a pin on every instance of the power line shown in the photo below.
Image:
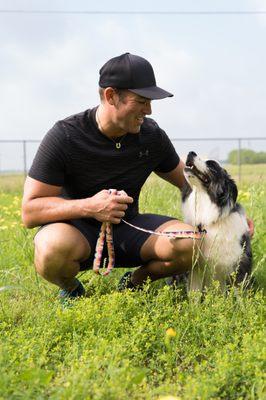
(236, 12)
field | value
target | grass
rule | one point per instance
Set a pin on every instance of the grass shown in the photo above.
(250, 173)
(144, 345)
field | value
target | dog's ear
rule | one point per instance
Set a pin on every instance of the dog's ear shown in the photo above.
(227, 192)
(233, 188)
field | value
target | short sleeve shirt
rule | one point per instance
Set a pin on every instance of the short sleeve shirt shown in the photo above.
(75, 155)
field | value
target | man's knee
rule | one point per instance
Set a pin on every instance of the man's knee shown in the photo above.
(48, 247)
(57, 249)
(49, 255)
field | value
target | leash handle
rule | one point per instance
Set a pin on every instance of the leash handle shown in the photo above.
(106, 232)
(99, 249)
(110, 248)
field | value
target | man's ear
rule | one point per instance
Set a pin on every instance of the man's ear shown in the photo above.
(109, 94)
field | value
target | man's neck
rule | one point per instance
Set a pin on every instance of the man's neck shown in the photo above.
(106, 125)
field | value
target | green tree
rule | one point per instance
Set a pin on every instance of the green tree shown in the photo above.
(247, 157)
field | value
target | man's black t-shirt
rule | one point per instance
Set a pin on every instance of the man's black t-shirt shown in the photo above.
(74, 154)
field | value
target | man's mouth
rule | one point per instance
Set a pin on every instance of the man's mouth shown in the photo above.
(140, 120)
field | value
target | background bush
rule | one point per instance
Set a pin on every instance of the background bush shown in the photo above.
(247, 156)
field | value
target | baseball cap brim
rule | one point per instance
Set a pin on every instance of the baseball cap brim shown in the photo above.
(152, 93)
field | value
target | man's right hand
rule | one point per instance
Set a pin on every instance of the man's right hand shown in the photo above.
(42, 204)
(108, 207)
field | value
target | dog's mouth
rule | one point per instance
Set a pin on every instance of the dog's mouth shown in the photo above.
(192, 169)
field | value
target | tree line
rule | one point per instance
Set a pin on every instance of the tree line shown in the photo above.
(247, 157)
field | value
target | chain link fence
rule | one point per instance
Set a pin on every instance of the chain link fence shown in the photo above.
(16, 156)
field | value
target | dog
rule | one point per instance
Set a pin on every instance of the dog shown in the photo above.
(209, 203)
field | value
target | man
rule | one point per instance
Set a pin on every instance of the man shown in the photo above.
(113, 146)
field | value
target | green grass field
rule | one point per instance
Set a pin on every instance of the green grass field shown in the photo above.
(155, 344)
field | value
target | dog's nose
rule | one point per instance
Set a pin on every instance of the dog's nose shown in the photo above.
(190, 158)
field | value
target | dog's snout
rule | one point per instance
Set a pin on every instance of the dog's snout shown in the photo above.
(190, 158)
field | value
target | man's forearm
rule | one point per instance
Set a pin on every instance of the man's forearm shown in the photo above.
(103, 206)
(39, 211)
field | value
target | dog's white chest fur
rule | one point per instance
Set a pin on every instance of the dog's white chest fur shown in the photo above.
(198, 208)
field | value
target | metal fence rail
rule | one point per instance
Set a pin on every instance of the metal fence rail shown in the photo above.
(238, 140)
(24, 149)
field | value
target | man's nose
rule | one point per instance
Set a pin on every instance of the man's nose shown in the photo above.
(147, 108)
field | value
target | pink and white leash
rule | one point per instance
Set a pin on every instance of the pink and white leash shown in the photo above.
(171, 234)
(106, 232)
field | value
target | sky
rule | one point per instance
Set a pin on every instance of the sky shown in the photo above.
(214, 64)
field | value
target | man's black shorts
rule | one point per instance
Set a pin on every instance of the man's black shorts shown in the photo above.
(127, 240)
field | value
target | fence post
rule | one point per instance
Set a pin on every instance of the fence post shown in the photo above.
(24, 142)
(239, 160)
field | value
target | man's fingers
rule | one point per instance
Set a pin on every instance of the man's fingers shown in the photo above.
(120, 196)
(250, 227)
(115, 220)
(121, 207)
(112, 191)
(124, 199)
(117, 216)
(122, 193)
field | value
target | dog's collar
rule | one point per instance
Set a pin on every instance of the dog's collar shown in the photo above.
(201, 229)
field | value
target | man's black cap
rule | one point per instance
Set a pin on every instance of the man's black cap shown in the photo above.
(133, 73)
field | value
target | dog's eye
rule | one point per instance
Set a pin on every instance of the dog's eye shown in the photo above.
(212, 165)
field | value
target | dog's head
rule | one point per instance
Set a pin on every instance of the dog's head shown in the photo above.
(212, 178)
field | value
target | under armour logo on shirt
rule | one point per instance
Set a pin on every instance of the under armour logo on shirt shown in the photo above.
(143, 153)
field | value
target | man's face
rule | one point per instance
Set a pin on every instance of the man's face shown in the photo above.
(130, 110)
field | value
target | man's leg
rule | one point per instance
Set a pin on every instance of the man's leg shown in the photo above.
(59, 248)
(166, 257)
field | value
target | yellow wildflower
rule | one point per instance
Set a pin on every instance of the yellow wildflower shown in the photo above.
(170, 332)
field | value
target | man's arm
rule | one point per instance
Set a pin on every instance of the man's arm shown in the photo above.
(176, 176)
(41, 204)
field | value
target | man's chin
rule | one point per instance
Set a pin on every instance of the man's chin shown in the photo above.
(135, 130)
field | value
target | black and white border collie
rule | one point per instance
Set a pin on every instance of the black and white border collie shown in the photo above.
(209, 202)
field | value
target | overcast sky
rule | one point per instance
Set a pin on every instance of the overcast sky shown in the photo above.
(214, 64)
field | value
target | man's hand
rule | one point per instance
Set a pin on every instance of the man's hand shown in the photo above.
(251, 227)
(109, 206)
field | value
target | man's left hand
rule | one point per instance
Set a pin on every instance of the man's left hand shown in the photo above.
(250, 226)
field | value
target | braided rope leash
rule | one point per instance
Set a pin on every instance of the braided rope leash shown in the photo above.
(106, 232)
